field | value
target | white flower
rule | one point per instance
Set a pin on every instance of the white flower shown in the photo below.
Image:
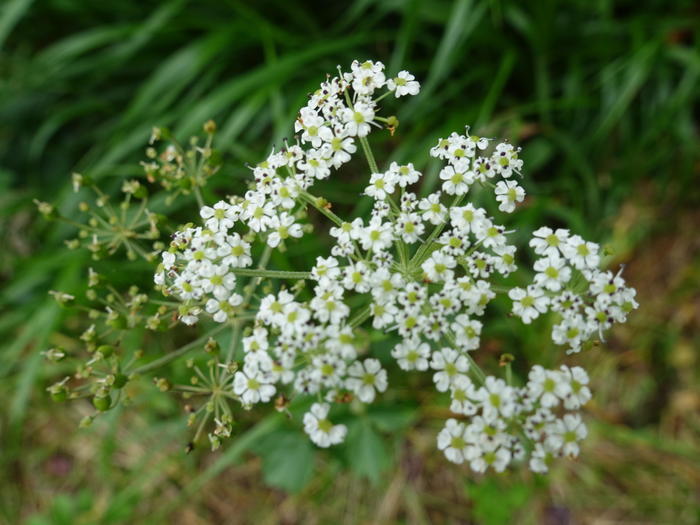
(168, 260)
(438, 267)
(272, 307)
(505, 159)
(377, 235)
(328, 306)
(365, 379)
(432, 293)
(496, 398)
(405, 174)
(325, 270)
(547, 386)
(339, 149)
(571, 331)
(386, 284)
(451, 440)
(235, 252)
(528, 304)
(552, 272)
(356, 277)
(383, 313)
(462, 394)
(467, 218)
(357, 120)
(283, 227)
(564, 434)
(504, 262)
(252, 386)
(381, 185)
(546, 241)
(488, 454)
(579, 393)
(541, 458)
(457, 180)
(257, 212)
(222, 309)
(286, 192)
(403, 84)
(409, 227)
(467, 332)
(315, 165)
(449, 365)
(219, 218)
(294, 317)
(314, 130)
(412, 354)
(320, 429)
(508, 193)
(367, 76)
(433, 210)
(581, 254)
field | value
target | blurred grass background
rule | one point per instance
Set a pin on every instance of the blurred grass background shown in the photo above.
(602, 95)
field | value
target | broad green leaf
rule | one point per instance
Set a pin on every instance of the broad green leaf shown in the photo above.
(366, 451)
(288, 459)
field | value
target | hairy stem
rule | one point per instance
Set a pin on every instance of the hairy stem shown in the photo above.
(270, 274)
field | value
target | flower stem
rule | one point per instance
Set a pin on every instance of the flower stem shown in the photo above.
(178, 353)
(305, 195)
(270, 274)
(417, 258)
(360, 317)
(478, 372)
(370, 156)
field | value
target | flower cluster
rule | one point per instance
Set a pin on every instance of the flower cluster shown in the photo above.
(465, 167)
(421, 268)
(200, 265)
(568, 281)
(500, 415)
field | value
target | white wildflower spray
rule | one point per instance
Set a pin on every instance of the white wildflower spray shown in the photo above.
(421, 268)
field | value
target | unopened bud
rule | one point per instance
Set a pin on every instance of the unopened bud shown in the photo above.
(212, 347)
(46, 209)
(209, 127)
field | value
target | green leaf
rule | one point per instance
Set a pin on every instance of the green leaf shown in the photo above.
(392, 418)
(288, 459)
(367, 454)
(495, 503)
(10, 15)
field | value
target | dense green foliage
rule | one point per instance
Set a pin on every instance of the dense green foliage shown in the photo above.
(603, 98)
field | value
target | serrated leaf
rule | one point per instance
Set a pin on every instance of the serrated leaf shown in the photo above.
(288, 459)
(367, 454)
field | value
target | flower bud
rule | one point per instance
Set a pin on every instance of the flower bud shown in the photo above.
(59, 392)
(46, 209)
(54, 354)
(105, 350)
(209, 127)
(102, 401)
(119, 381)
(212, 347)
(61, 298)
(162, 384)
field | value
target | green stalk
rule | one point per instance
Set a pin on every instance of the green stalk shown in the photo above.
(478, 372)
(369, 155)
(306, 196)
(361, 316)
(178, 353)
(270, 274)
